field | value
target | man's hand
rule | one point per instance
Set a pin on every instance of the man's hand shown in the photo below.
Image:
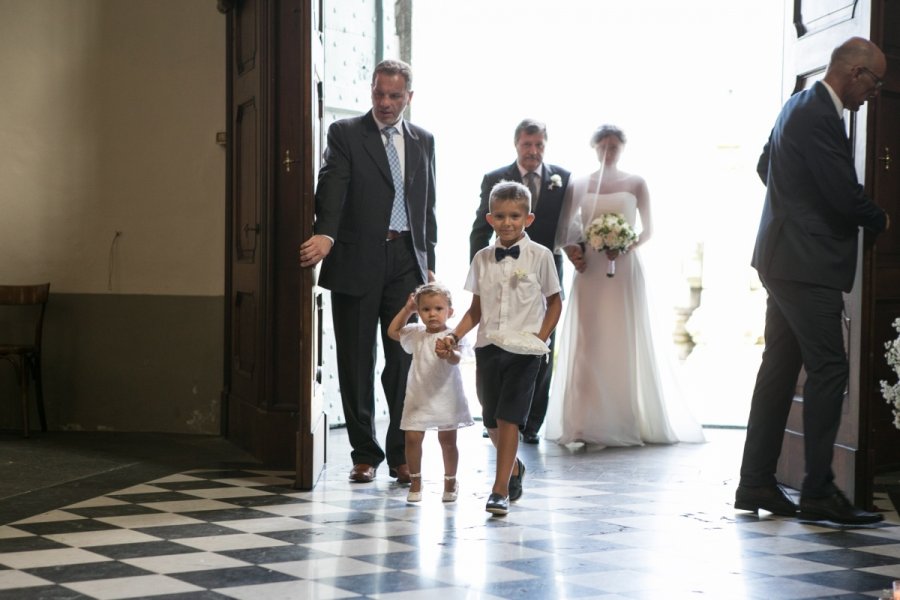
(576, 257)
(314, 250)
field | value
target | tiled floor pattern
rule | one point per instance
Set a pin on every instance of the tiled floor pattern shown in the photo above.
(639, 524)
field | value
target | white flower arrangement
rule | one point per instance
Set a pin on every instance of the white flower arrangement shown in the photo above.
(891, 393)
(555, 181)
(610, 231)
(519, 275)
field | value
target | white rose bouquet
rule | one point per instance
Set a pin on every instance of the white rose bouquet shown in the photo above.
(891, 393)
(610, 231)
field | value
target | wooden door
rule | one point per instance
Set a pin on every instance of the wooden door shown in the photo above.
(271, 317)
(880, 440)
(814, 28)
(301, 114)
(246, 197)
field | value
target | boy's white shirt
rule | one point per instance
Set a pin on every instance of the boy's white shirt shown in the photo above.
(513, 292)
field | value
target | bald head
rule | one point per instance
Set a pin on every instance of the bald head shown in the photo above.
(855, 71)
(856, 51)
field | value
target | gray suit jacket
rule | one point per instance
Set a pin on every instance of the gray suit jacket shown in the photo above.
(814, 202)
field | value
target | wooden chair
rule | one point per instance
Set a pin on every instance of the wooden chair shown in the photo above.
(25, 355)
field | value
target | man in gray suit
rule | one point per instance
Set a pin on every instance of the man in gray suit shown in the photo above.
(805, 254)
(375, 230)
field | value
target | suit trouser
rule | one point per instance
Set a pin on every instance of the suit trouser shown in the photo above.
(803, 328)
(541, 398)
(356, 320)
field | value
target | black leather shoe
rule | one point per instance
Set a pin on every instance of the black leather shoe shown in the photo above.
(530, 438)
(768, 497)
(497, 504)
(515, 482)
(837, 509)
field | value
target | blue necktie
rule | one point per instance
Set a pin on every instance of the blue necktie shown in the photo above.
(501, 253)
(398, 222)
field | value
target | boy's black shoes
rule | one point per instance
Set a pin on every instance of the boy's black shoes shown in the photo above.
(515, 482)
(837, 509)
(497, 504)
(768, 497)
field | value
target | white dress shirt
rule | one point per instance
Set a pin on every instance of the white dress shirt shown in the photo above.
(513, 292)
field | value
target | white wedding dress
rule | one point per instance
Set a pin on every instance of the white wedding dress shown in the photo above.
(613, 385)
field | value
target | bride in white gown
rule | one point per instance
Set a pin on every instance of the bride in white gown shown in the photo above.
(613, 384)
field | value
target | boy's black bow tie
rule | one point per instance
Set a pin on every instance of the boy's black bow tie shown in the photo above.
(501, 253)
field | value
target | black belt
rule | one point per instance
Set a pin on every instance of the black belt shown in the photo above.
(393, 235)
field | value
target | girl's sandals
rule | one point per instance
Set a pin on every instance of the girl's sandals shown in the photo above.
(415, 496)
(450, 496)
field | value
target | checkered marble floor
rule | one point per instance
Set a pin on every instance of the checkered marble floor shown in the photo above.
(613, 524)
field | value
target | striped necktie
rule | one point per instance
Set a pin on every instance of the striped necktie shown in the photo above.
(399, 221)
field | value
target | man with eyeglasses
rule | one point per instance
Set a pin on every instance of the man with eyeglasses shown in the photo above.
(805, 254)
(879, 82)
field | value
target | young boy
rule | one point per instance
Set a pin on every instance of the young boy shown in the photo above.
(515, 288)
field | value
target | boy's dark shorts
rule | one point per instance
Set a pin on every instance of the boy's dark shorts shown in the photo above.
(504, 383)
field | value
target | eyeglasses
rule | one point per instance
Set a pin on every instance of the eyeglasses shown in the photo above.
(879, 82)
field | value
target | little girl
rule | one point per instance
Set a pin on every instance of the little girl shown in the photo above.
(434, 390)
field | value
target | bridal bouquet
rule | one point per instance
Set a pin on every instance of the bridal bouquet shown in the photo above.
(891, 393)
(610, 231)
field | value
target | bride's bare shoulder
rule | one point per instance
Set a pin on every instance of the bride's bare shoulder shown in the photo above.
(633, 183)
(631, 178)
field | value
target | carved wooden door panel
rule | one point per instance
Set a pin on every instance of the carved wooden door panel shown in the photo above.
(300, 118)
(879, 439)
(246, 196)
(272, 325)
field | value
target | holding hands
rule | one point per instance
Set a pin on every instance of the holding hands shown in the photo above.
(446, 347)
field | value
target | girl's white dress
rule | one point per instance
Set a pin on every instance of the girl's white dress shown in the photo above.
(613, 384)
(435, 398)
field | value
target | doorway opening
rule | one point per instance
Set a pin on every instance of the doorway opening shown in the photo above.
(695, 88)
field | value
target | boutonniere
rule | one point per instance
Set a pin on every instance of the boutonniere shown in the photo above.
(520, 274)
(555, 181)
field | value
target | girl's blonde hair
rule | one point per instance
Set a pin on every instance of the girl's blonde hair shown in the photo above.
(433, 289)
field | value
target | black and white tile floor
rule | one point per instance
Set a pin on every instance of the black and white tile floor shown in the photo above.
(614, 524)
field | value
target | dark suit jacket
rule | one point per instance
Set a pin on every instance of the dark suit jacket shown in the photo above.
(546, 218)
(814, 203)
(354, 196)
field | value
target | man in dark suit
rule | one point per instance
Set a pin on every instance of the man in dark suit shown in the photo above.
(806, 254)
(548, 186)
(375, 230)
